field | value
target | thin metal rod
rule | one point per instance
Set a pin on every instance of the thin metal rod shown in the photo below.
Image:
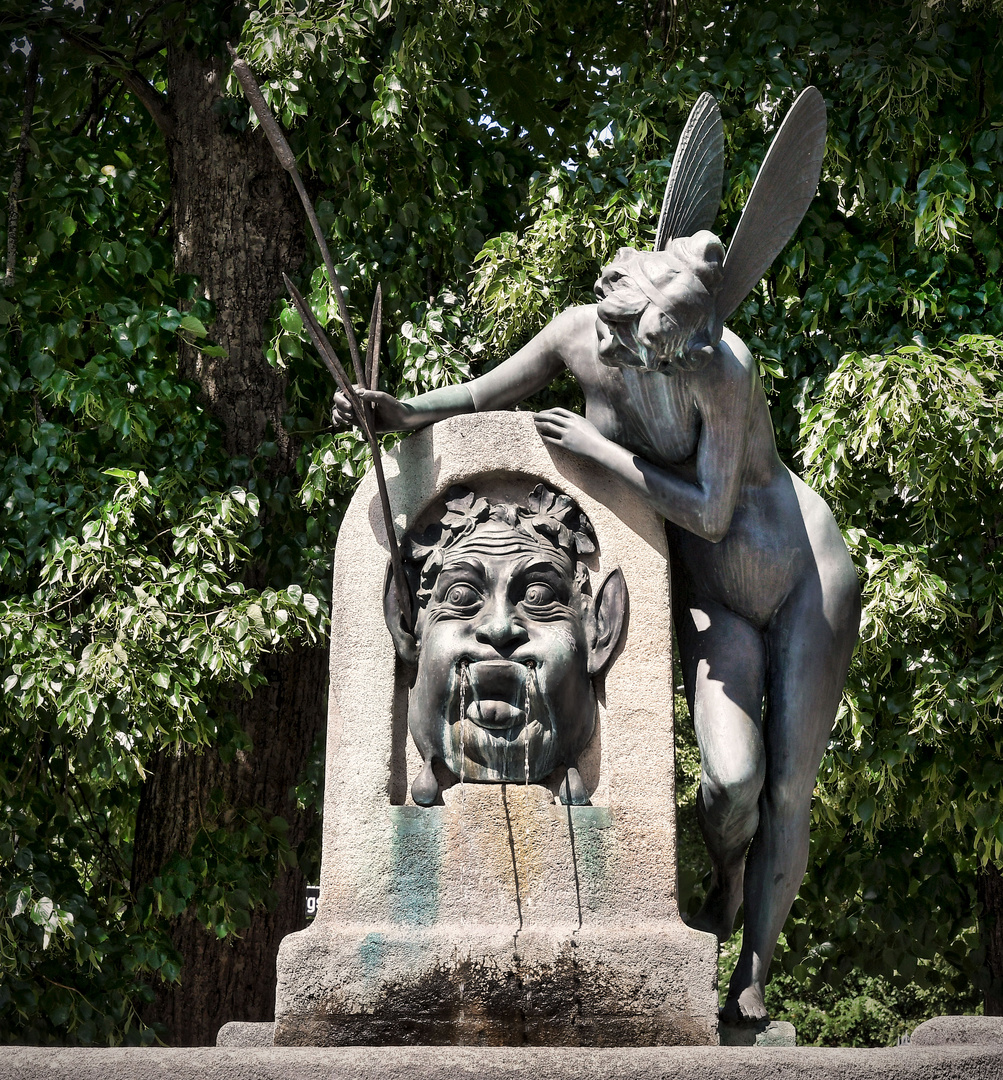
(323, 346)
(288, 162)
(373, 345)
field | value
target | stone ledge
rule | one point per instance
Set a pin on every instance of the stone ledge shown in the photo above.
(246, 1033)
(448, 1063)
(461, 985)
(960, 1030)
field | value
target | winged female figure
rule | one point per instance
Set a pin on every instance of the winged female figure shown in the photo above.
(766, 602)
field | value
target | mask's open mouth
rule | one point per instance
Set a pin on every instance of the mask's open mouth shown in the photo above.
(504, 730)
(498, 694)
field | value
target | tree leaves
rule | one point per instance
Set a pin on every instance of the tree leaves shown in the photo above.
(909, 445)
(483, 164)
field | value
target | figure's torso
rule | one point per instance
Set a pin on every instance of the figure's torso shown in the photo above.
(652, 414)
(766, 550)
(658, 415)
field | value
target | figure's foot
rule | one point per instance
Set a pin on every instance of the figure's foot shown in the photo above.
(717, 913)
(746, 1007)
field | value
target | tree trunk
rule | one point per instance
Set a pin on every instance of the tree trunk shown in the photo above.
(237, 225)
(235, 979)
(990, 894)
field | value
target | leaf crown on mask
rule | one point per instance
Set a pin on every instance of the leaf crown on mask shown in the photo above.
(547, 514)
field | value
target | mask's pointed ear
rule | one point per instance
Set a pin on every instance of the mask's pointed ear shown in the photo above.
(610, 621)
(784, 187)
(693, 193)
(402, 633)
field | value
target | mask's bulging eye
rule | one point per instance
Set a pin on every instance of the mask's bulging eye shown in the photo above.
(462, 596)
(538, 594)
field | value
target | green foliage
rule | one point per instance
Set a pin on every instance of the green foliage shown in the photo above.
(125, 621)
(856, 1010)
(909, 444)
(483, 162)
(860, 1010)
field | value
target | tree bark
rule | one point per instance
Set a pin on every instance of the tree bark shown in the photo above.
(237, 225)
(235, 979)
(13, 206)
(990, 895)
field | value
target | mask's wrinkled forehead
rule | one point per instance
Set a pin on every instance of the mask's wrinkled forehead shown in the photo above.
(547, 525)
(496, 542)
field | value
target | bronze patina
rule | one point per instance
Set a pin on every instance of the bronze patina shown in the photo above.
(507, 641)
(765, 598)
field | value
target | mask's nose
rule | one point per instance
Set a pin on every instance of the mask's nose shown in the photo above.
(501, 628)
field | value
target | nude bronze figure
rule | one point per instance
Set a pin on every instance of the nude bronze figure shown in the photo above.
(766, 600)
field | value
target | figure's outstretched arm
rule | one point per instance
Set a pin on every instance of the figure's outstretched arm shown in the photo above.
(701, 500)
(514, 380)
(410, 415)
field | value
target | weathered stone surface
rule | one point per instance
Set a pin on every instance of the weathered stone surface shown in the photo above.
(243, 1033)
(966, 1030)
(506, 1063)
(768, 1033)
(500, 916)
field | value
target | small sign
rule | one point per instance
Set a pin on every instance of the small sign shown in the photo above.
(312, 901)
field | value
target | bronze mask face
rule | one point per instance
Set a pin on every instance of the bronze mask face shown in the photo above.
(507, 639)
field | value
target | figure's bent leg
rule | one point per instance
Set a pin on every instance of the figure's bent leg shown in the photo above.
(810, 642)
(724, 665)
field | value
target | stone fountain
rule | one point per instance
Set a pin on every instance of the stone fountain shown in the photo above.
(508, 879)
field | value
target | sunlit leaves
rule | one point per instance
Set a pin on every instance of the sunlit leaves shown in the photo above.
(909, 445)
(135, 632)
(926, 428)
(483, 161)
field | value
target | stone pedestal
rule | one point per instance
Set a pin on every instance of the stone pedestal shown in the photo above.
(765, 1033)
(501, 916)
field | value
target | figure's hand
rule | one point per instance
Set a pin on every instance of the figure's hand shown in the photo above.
(571, 432)
(385, 410)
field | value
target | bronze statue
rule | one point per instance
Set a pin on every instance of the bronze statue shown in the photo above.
(766, 601)
(507, 640)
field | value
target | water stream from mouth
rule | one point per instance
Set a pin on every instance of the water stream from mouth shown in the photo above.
(463, 791)
(463, 719)
(526, 707)
(525, 728)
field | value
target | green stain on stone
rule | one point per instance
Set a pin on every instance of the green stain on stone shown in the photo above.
(591, 818)
(371, 953)
(594, 837)
(416, 860)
